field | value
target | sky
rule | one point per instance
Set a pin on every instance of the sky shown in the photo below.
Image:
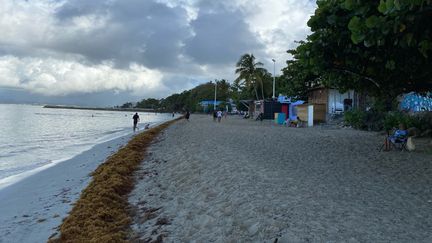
(107, 52)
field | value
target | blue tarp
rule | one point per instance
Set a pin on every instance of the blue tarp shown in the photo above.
(292, 111)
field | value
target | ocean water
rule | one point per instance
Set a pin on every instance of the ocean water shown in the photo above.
(33, 136)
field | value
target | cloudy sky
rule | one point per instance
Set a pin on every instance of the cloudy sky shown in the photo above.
(106, 52)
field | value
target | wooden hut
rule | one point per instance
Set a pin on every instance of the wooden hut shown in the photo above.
(333, 101)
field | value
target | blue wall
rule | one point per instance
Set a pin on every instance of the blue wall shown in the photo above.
(209, 102)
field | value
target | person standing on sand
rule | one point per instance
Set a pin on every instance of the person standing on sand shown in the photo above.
(136, 120)
(219, 115)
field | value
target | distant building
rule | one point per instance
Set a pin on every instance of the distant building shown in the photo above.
(209, 104)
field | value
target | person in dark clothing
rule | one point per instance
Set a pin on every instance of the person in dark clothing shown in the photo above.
(214, 115)
(187, 115)
(135, 119)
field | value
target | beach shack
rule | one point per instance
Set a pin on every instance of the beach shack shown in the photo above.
(266, 107)
(317, 111)
(270, 107)
(289, 106)
(280, 110)
(331, 101)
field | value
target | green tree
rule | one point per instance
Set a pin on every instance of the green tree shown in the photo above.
(250, 73)
(379, 47)
(172, 103)
(303, 72)
(239, 92)
(265, 86)
(126, 105)
(223, 90)
(149, 103)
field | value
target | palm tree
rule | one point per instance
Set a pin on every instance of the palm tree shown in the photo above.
(250, 72)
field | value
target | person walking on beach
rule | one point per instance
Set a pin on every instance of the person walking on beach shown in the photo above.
(219, 115)
(135, 121)
(214, 115)
(187, 115)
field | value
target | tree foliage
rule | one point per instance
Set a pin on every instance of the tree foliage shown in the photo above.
(149, 103)
(251, 74)
(189, 99)
(126, 105)
(381, 47)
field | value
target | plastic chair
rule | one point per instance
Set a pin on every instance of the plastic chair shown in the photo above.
(399, 143)
(395, 142)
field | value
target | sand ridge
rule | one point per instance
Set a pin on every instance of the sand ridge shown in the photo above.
(246, 181)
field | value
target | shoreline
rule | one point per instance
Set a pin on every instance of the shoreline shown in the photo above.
(33, 207)
(16, 178)
(12, 179)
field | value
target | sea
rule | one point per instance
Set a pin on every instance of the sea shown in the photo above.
(32, 137)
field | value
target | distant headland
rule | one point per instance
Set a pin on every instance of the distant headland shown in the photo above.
(98, 108)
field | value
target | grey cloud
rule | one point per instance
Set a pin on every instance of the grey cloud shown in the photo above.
(155, 35)
(175, 51)
(220, 37)
(78, 8)
(98, 99)
(176, 83)
(145, 32)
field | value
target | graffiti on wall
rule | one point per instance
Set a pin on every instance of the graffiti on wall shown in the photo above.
(416, 102)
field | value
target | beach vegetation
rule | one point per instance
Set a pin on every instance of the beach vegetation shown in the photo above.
(356, 118)
(373, 120)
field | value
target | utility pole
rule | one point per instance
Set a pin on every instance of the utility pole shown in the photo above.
(274, 77)
(214, 104)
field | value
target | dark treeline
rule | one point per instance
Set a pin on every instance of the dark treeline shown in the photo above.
(190, 99)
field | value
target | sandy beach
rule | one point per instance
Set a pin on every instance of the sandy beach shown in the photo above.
(246, 181)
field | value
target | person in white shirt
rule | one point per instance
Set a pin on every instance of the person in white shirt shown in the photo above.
(219, 115)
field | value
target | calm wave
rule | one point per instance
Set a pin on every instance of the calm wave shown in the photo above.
(32, 136)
